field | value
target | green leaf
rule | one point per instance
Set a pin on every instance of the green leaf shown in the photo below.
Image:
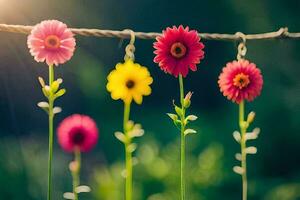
(46, 91)
(172, 116)
(177, 123)
(60, 93)
(54, 86)
(130, 125)
(189, 131)
(178, 111)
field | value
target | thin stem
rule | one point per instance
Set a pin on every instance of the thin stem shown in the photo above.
(76, 172)
(50, 115)
(182, 141)
(128, 155)
(243, 147)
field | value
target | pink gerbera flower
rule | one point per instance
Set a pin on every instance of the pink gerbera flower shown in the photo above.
(52, 41)
(77, 131)
(178, 50)
(240, 80)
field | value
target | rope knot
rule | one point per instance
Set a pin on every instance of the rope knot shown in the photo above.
(242, 49)
(130, 48)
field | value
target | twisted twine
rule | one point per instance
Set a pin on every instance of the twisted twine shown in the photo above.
(282, 33)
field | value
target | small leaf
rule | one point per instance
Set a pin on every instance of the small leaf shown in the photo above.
(177, 123)
(69, 195)
(57, 110)
(237, 136)
(189, 131)
(41, 81)
(178, 111)
(238, 170)
(82, 188)
(251, 150)
(54, 86)
(132, 147)
(46, 91)
(59, 80)
(120, 136)
(252, 135)
(130, 125)
(187, 100)
(191, 117)
(60, 93)
(43, 104)
(250, 117)
(136, 133)
(172, 116)
(238, 156)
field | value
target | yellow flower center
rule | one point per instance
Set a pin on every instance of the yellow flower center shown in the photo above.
(130, 84)
(52, 42)
(178, 50)
(241, 80)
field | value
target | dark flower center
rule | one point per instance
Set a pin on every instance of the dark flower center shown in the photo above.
(78, 138)
(241, 80)
(52, 42)
(130, 84)
(178, 50)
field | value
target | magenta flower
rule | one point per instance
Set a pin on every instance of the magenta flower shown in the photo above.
(77, 131)
(240, 80)
(52, 41)
(178, 50)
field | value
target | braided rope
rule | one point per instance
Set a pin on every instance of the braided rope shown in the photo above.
(282, 33)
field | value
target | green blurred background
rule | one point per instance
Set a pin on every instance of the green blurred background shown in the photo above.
(274, 173)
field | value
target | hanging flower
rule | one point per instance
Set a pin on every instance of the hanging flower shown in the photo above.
(240, 80)
(178, 50)
(129, 81)
(52, 41)
(77, 131)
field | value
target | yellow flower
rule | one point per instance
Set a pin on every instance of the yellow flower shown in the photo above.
(129, 81)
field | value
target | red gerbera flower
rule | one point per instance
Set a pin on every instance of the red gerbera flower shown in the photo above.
(240, 80)
(77, 131)
(178, 50)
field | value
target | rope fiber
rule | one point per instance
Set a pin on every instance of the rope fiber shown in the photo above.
(282, 33)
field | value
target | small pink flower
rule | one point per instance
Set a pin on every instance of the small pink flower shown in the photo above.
(52, 41)
(178, 50)
(240, 80)
(77, 131)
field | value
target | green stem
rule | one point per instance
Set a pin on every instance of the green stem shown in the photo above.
(128, 155)
(50, 114)
(75, 174)
(182, 141)
(243, 128)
